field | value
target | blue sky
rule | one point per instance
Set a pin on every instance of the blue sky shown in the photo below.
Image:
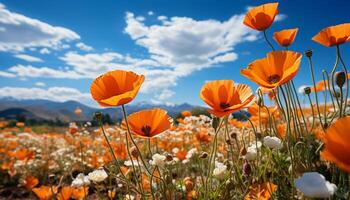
(53, 49)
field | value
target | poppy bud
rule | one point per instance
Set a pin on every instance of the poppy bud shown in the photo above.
(169, 157)
(340, 79)
(233, 135)
(98, 116)
(134, 152)
(325, 125)
(215, 122)
(228, 141)
(308, 53)
(247, 169)
(307, 90)
(243, 151)
(204, 155)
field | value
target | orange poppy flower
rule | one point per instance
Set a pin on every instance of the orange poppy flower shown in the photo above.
(337, 144)
(186, 113)
(80, 193)
(224, 97)
(276, 69)
(333, 35)
(66, 193)
(116, 88)
(261, 192)
(30, 182)
(261, 17)
(149, 123)
(285, 37)
(45, 192)
(320, 86)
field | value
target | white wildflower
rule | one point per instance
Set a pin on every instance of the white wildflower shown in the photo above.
(81, 180)
(158, 160)
(98, 175)
(273, 142)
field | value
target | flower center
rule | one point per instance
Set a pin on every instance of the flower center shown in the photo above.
(274, 78)
(224, 105)
(146, 130)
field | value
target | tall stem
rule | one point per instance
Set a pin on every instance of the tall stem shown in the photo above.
(267, 40)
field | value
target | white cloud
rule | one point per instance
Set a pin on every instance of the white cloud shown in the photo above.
(20, 32)
(46, 72)
(59, 94)
(150, 13)
(165, 94)
(84, 47)
(7, 74)
(280, 17)
(28, 58)
(182, 45)
(40, 84)
(44, 51)
(162, 18)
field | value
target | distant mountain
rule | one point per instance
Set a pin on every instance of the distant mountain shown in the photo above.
(64, 111)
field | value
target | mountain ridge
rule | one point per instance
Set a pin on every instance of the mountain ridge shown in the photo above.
(42, 109)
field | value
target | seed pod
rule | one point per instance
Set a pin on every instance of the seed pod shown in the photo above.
(243, 151)
(308, 53)
(174, 174)
(228, 141)
(340, 79)
(307, 90)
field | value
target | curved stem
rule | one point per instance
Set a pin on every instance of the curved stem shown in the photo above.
(267, 40)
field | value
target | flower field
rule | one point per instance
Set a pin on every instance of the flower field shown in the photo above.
(280, 147)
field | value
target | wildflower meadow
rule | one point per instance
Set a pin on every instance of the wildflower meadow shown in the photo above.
(285, 144)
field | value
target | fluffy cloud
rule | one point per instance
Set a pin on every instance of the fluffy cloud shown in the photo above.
(28, 58)
(19, 32)
(182, 45)
(46, 72)
(59, 94)
(7, 74)
(165, 94)
(84, 47)
(44, 51)
(40, 84)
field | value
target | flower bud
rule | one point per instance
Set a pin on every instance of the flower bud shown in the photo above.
(228, 141)
(307, 90)
(216, 122)
(247, 169)
(169, 157)
(340, 79)
(204, 155)
(98, 116)
(308, 53)
(243, 151)
(233, 135)
(134, 152)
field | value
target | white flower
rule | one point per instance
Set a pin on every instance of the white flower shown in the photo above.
(98, 175)
(220, 170)
(175, 150)
(191, 152)
(129, 163)
(273, 142)
(252, 151)
(81, 180)
(158, 160)
(313, 184)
